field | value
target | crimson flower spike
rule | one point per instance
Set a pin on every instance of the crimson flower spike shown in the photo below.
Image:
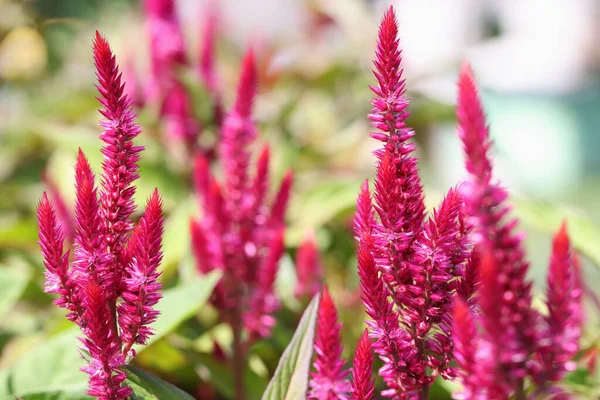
(107, 361)
(563, 323)
(401, 216)
(363, 385)
(168, 54)
(119, 167)
(464, 335)
(58, 277)
(511, 333)
(110, 265)
(237, 134)
(65, 219)
(142, 293)
(91, 262)
(390, 341)
(207, 46)
(309, 270)
(329, 381)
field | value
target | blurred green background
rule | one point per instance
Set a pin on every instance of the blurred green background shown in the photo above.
(538, 68)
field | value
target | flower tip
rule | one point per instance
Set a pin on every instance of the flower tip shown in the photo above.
(247, 85)
(561, 239)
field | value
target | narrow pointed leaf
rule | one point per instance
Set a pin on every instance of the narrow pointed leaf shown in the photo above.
(290, 381)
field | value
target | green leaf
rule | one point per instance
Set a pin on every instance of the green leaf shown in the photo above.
(290, 381)
(50, 367)
(547, 218)
(59, 395)
(149, 387)
(54, 366)
(180, 303)
(222, 379)
(12, 285)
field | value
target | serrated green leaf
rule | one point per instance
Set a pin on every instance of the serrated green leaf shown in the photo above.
(290, 380)
(149, 387)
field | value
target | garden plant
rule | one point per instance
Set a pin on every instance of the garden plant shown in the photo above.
(438, 302)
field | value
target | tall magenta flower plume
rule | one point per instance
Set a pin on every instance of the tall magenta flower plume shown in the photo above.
(241, 230)
(309, 270)
(363, 385)
(564, 320)
(516, 341)
(411, 268)
(109, 261)
(329, 379)
(167, 56)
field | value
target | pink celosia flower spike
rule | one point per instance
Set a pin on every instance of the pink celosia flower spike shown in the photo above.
(119, 168)
(563, 300)
(363, 385)
(168, 55)
(58, 277)
(106, 359)
(390, 341)
(142, 288)
(428, 300)
(398, 191)
(329, 381)
(207, 46)
(464, 336)
(90, 261)
(63, 214)
(237, 134)
(259, 319)
(309, 270)
(511, 326)
(364, 218)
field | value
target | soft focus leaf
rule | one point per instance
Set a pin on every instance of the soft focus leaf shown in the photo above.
(54, 365)
(290, 381)
(180, 303)
(50, 367)
(59, 395)
(547, 218)
(222, 378)
(148, 387)
(12, 285)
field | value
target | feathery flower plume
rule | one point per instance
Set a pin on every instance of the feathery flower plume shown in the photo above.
(238, 133)
(168, 55)
(108, 262)
(563, 299)
(509, 319)
(329, 381)
(400, 216)
(428, 300)
(105, 367)
(363, 385)
(207, 69)
(465, 339)
(58, 277)
(241, 230)
(308, 268)
(409, 267)
(119, 167)
(136, 312)
(91, 261)
(391, 342)
(364, 218)
(65, 219)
